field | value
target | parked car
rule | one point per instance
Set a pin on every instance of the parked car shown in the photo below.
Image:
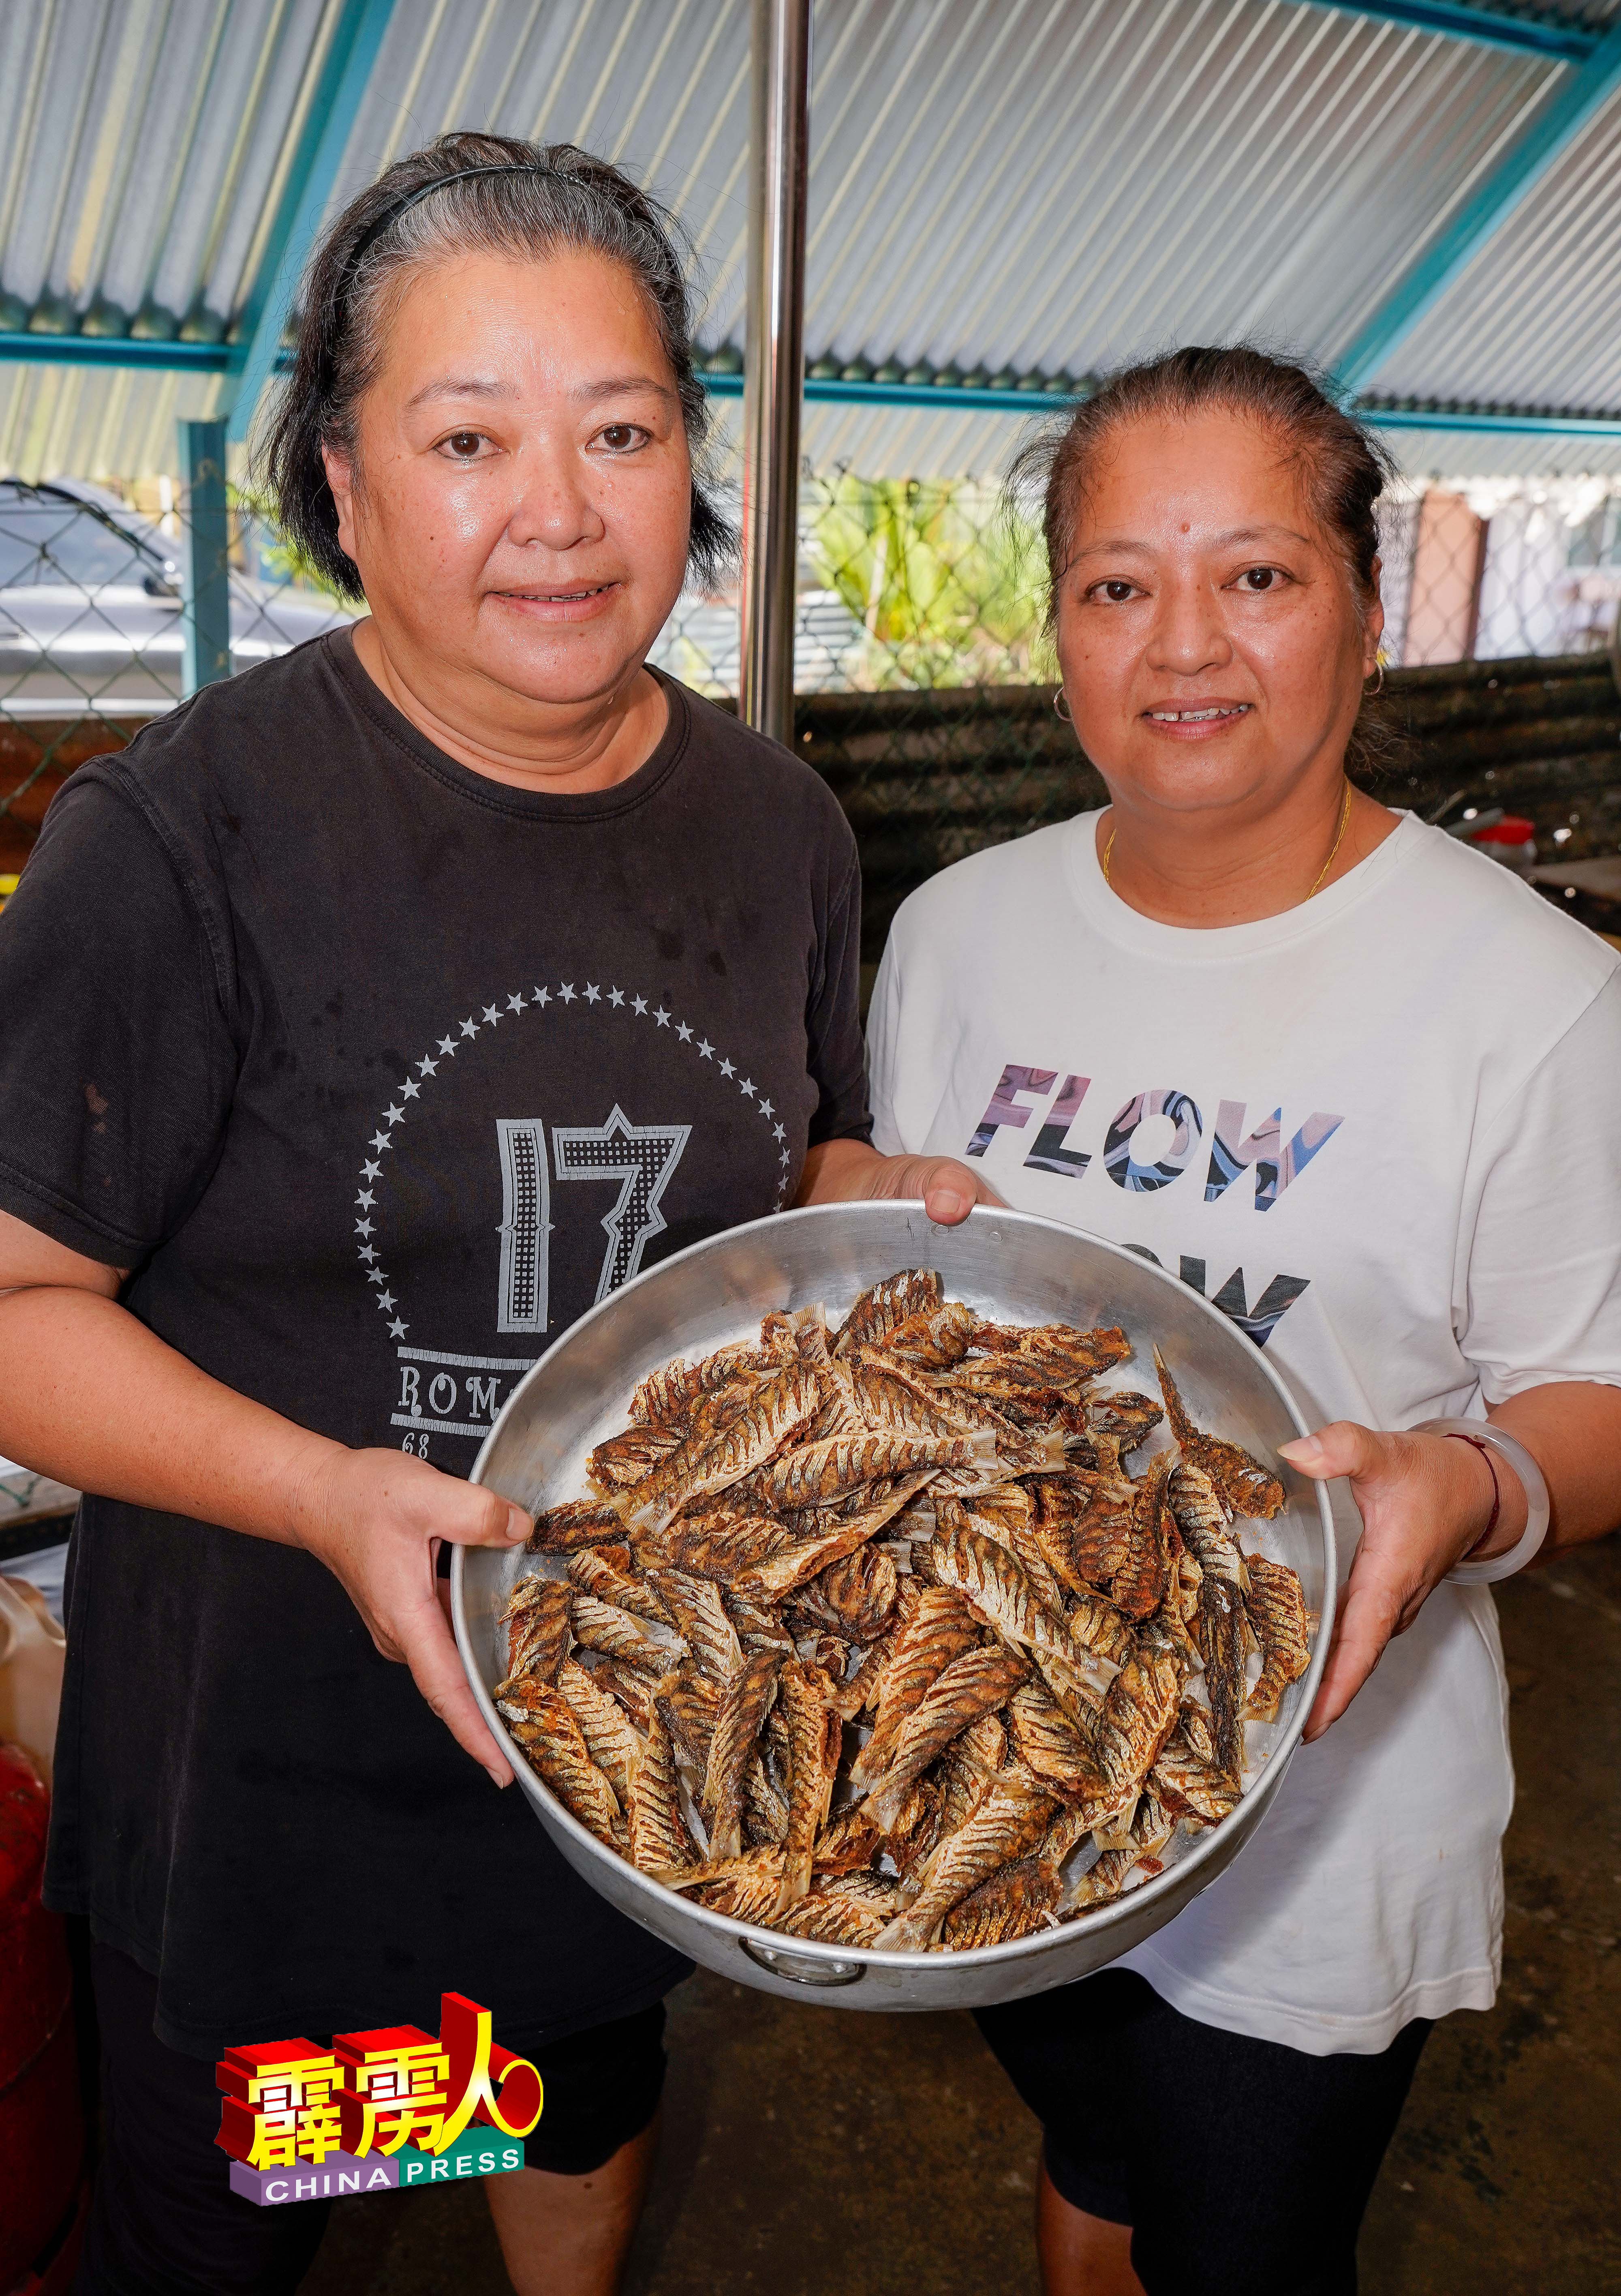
(701, 643)
(90, 607)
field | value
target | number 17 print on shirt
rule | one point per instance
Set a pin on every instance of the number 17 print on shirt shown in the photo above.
(624, 1099)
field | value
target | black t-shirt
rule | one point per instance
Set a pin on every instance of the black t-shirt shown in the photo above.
(378, 1074)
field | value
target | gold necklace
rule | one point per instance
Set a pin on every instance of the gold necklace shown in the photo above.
(1344, 816)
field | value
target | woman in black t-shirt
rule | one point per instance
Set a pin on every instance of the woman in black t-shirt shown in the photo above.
(367, 1018)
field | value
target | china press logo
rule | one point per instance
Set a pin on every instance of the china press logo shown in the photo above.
(390, 2107)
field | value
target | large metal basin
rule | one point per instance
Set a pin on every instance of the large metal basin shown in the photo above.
(1008, 1264)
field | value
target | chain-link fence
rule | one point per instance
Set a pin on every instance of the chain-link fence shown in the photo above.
(923, 671)
(98, 605)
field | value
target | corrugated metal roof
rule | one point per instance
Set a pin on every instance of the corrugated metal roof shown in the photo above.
(1049, 184)
(1538, 310)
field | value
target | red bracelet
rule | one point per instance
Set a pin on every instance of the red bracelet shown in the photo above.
(1484, 1450)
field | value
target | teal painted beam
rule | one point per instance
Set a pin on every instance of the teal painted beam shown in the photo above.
(1511, 424)
(204, 566)
(834, 391)
(1550, 134)
(345, 70)
(1552, 36)
(114, 350)
(214, 359)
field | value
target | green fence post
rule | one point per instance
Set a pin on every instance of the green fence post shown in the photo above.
(206, 615)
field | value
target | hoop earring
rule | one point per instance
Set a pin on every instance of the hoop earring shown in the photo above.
(1059, 707)
(1379, 669)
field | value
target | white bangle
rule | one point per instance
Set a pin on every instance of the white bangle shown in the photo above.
(1516, 1557)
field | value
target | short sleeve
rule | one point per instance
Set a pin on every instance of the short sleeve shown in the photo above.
(1538, 1296)
(833, 1022)
(117, 1063)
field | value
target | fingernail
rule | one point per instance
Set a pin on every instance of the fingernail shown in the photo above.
(497, 1778)
(1305, 1451)
(950, 1204)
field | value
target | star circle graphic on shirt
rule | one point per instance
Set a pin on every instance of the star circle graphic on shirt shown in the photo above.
(643, 1156)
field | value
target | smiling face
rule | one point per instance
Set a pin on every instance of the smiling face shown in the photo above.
(519, 497)
(1208, 631)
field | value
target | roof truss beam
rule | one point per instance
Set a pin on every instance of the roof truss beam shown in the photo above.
(1569, 109)
(213, 358)
(1555, 38)
(345, 69)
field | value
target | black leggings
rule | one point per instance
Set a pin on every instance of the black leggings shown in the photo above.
(163, 2219)
(1243, 2168)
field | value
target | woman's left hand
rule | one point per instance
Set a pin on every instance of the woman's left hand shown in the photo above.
(1424, 1501)
(849, 1171)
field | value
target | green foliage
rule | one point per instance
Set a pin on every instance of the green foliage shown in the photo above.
(947, 580)
(280, 560)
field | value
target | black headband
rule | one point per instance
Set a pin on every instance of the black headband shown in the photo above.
(390, 215)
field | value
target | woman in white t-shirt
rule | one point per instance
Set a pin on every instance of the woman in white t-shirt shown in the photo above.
(1362, 1089)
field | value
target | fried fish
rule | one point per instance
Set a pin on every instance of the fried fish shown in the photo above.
(847, 1842)
(545, 1726)
(659, 1836)
(818, 1474)
(814, 1737)
(1140, 1709)
(1202, 1521)
(803, 1558)
(1189, 1786)
(538, 1629)
(1049, 1743)
(974, 1685)
(599, 1571)
(1244, 1486)
(1276, 1608)
(934, 1338)
(742, 1711)
(940, 1630)
(749, 1889)
(1013, 1903)
(1220, 1631)
(861, 1591)
(613, 1745)
(773, 1416)
(577, 1522)
(670, 1393)
(629, 1456)
(700, 1616)
(836, 1917)
(1141, 1583)
(997, 1586)
(605, 1627)
(1006, 1824)
(915, 1291)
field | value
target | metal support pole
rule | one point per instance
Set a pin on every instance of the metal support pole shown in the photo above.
(775, 360)
(206, 616)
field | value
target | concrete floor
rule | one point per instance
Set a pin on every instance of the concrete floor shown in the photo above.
(809, 2151)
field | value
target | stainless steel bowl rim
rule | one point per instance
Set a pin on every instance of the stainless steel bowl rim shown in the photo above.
(814, 1949)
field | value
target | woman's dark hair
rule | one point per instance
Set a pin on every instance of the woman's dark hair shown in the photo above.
(529, 199)
(1345, 469)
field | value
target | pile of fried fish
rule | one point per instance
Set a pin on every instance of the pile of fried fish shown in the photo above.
(922, 1520)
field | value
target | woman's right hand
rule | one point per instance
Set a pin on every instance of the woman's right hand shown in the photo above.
(377, 1520)
(850, 1171)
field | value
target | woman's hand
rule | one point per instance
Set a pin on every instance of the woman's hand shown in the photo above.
(377, 1520)
(1424, 1501)
(849, 1171)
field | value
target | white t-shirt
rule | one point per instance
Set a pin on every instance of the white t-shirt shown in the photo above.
(1383, 1132)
